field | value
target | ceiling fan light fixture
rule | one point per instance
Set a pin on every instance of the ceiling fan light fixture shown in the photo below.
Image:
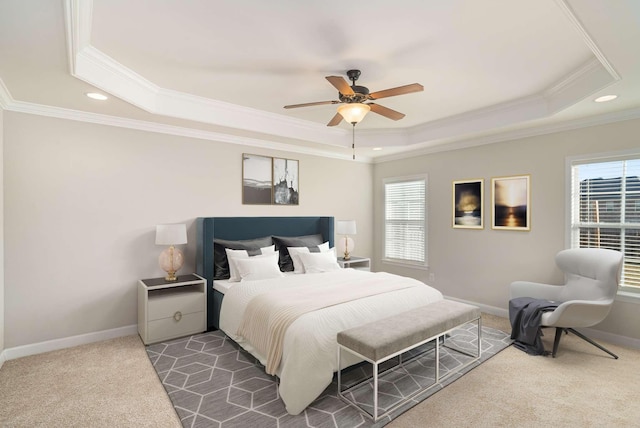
(353, 112)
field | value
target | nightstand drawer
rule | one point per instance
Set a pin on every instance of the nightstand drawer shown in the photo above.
(165, 303)
(169, 328)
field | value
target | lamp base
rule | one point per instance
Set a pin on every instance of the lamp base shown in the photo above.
(171, 260)
(345, 246)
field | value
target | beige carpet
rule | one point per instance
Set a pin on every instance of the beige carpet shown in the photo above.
(112, 384)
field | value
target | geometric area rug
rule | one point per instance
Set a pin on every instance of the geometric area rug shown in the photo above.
(213, 382)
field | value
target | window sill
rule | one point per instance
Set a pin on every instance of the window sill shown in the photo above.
(406, 264)
(628, 296)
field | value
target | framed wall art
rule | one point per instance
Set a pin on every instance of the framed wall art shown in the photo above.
(511, 203)
(285, 181)
(468, 197)
(257, 179)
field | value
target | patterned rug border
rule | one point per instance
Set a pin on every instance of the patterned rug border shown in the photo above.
(213, 382)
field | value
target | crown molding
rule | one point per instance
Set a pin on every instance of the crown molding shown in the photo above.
(77, 18)
(586, 37)
(368, 137)
(100, 119)
(98, 69)
(534, 131)
(582, 83)
(570, 79)
(5, 96)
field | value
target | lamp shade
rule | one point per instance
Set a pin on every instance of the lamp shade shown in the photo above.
(171, 234)
(354, 112)
(346, 227)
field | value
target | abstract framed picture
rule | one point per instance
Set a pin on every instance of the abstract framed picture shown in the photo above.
(285, 181)
(257, 179)
(467, 204)
(511, 203)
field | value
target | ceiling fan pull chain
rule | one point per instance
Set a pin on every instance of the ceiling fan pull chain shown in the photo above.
(353, 141)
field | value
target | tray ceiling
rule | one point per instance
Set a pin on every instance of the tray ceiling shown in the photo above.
(224, 70)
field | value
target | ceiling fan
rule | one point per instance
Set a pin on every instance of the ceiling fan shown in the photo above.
(355, 94)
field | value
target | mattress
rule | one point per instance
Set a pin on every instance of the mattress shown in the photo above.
(223, 285)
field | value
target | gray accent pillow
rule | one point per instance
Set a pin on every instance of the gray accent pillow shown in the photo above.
(282, 242)
(220, 262)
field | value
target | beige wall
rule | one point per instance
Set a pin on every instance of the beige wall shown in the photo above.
(479, 265)
(1, 235)
(82, 202)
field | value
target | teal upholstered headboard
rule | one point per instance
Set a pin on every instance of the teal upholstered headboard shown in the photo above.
(242, 228)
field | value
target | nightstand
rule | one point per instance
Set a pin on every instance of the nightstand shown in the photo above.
(360, 263)
(170, 309)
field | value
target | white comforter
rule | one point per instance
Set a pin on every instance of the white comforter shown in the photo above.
(310, 348)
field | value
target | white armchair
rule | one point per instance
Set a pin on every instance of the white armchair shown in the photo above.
(592, 276)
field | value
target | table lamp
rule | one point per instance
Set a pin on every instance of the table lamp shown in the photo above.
(346, 227)
(171, 259)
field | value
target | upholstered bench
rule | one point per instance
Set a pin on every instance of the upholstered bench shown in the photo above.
(381, 340)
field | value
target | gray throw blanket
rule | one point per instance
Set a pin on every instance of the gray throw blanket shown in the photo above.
(525, 314)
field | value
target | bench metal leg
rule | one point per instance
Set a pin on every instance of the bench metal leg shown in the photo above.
(437, 360)
(479, 350)
(375, 391)
(339, 373)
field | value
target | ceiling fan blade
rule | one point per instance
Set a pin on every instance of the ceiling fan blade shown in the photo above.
(385, 111)
(341, 85)
(319, 103)
(336, 120)
(400, 90)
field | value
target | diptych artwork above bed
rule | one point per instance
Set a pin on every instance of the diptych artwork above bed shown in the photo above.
(269, 181)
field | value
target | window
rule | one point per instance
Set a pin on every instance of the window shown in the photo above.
(605, 194)
(405, 226)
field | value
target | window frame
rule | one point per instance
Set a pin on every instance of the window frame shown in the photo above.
(401, 262)
(625, 293)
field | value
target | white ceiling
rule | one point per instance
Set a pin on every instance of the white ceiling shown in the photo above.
(223, 70)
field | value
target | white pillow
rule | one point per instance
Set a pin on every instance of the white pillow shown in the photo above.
(233, 255)
(259, 267)
(319, 262)
(268, 250)
(295, 252)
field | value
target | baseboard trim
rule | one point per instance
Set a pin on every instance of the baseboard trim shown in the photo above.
(67, 342)
(593, 333)
(493, 310)
(612, 338)
(82, 339)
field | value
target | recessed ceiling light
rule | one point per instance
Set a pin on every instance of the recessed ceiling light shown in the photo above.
(605, 98)
(377, 149)
(96, 96)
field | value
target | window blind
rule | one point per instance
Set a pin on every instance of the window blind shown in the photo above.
(405, 221)
(605, 211)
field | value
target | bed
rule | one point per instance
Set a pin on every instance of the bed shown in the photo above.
(342, 298)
